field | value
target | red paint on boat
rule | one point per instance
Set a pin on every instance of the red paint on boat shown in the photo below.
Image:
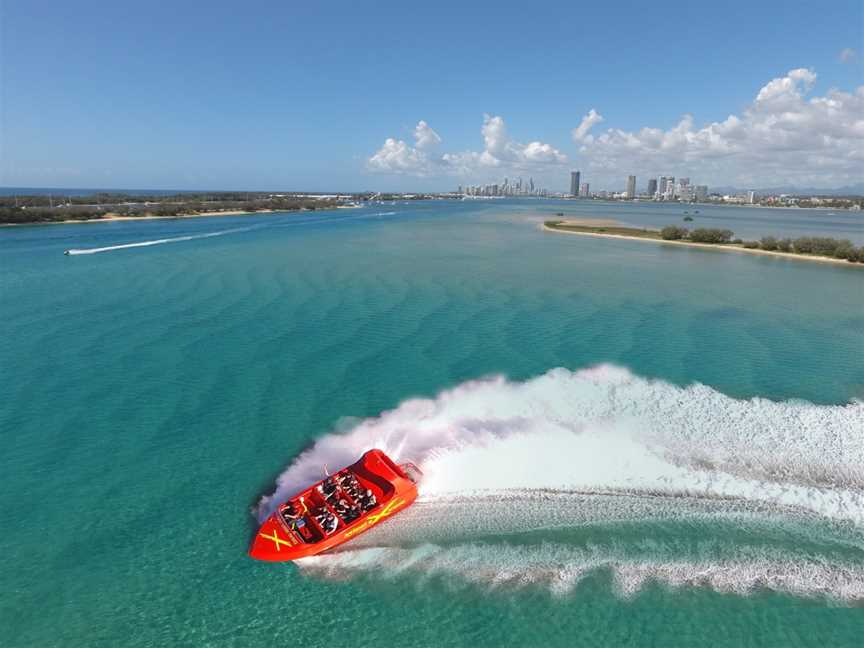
(295, 529)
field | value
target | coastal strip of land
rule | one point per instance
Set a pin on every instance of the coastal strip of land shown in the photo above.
(109, 217)
(606, 228)
(101, 207)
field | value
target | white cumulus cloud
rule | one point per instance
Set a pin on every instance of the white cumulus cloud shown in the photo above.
(425, 136)
(499, 150)
(781, 137)
(397, 156)
(580, 133)
(785, 135)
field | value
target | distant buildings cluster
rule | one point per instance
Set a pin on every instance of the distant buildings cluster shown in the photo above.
(660, 189)
(503, 189)
(664, 188)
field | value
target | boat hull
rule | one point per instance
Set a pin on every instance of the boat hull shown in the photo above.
(394, 486)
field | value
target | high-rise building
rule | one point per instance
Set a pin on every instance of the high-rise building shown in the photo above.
(669, 189)
(751, 197)
(631, 187)
(652, 187)
(701, 193)
(583, 190)
(574, 183)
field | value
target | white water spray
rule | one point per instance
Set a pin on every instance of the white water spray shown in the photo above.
(589, 447)
(176, 239)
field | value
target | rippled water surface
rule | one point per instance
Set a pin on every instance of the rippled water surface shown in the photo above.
(623, 442)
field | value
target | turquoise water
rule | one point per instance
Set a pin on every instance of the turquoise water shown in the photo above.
(692, 476)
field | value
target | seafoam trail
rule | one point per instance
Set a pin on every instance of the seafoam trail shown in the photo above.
(599, 446)
(175, 239)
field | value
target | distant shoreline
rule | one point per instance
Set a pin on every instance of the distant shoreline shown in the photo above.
(110, 218)
(728, 247)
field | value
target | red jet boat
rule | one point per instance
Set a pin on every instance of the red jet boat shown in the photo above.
(337, 508)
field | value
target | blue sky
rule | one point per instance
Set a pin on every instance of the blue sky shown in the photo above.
(304, 96)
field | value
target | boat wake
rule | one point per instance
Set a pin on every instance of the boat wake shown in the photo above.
(548, 480)
(176, 239)
(561, 568)
(293, 221)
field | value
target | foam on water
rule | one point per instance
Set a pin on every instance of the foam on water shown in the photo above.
(560, 568)
(176, 239)
(293, 221)
(593, 446)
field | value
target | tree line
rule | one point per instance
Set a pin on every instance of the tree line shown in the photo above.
(36, 209)
(814, 245)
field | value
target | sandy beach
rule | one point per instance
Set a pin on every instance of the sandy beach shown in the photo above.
(589, 222)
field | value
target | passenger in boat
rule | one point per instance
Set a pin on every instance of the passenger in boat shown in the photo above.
(327, 520)
(348, 481)
(330, 523)
(353, 513)
(341, 508)
(367, 500)
(349, 485)
(293, 518)
(328, 489)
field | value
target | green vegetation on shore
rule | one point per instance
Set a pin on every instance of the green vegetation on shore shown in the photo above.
(58, 208)
(814, 246)
(47, 209)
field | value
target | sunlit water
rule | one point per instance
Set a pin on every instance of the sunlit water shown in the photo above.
(623, 443)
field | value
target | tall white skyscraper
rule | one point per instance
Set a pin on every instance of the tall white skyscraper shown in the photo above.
(631, 187)
(669, 190)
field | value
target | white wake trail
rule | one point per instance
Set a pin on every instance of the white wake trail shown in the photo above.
(518, 475)
(560, 569)
(604, 429)
(176, 239)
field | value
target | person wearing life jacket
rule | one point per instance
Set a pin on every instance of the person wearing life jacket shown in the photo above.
(330, 523)
(367, 500)
(353, 513)
(328, 489)
(341, 508)
(327, 520)
(292, 516)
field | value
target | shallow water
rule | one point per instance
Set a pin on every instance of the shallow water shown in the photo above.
(693, 475)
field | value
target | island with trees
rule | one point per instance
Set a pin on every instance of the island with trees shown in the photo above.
(815, 248)
(102, 206)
